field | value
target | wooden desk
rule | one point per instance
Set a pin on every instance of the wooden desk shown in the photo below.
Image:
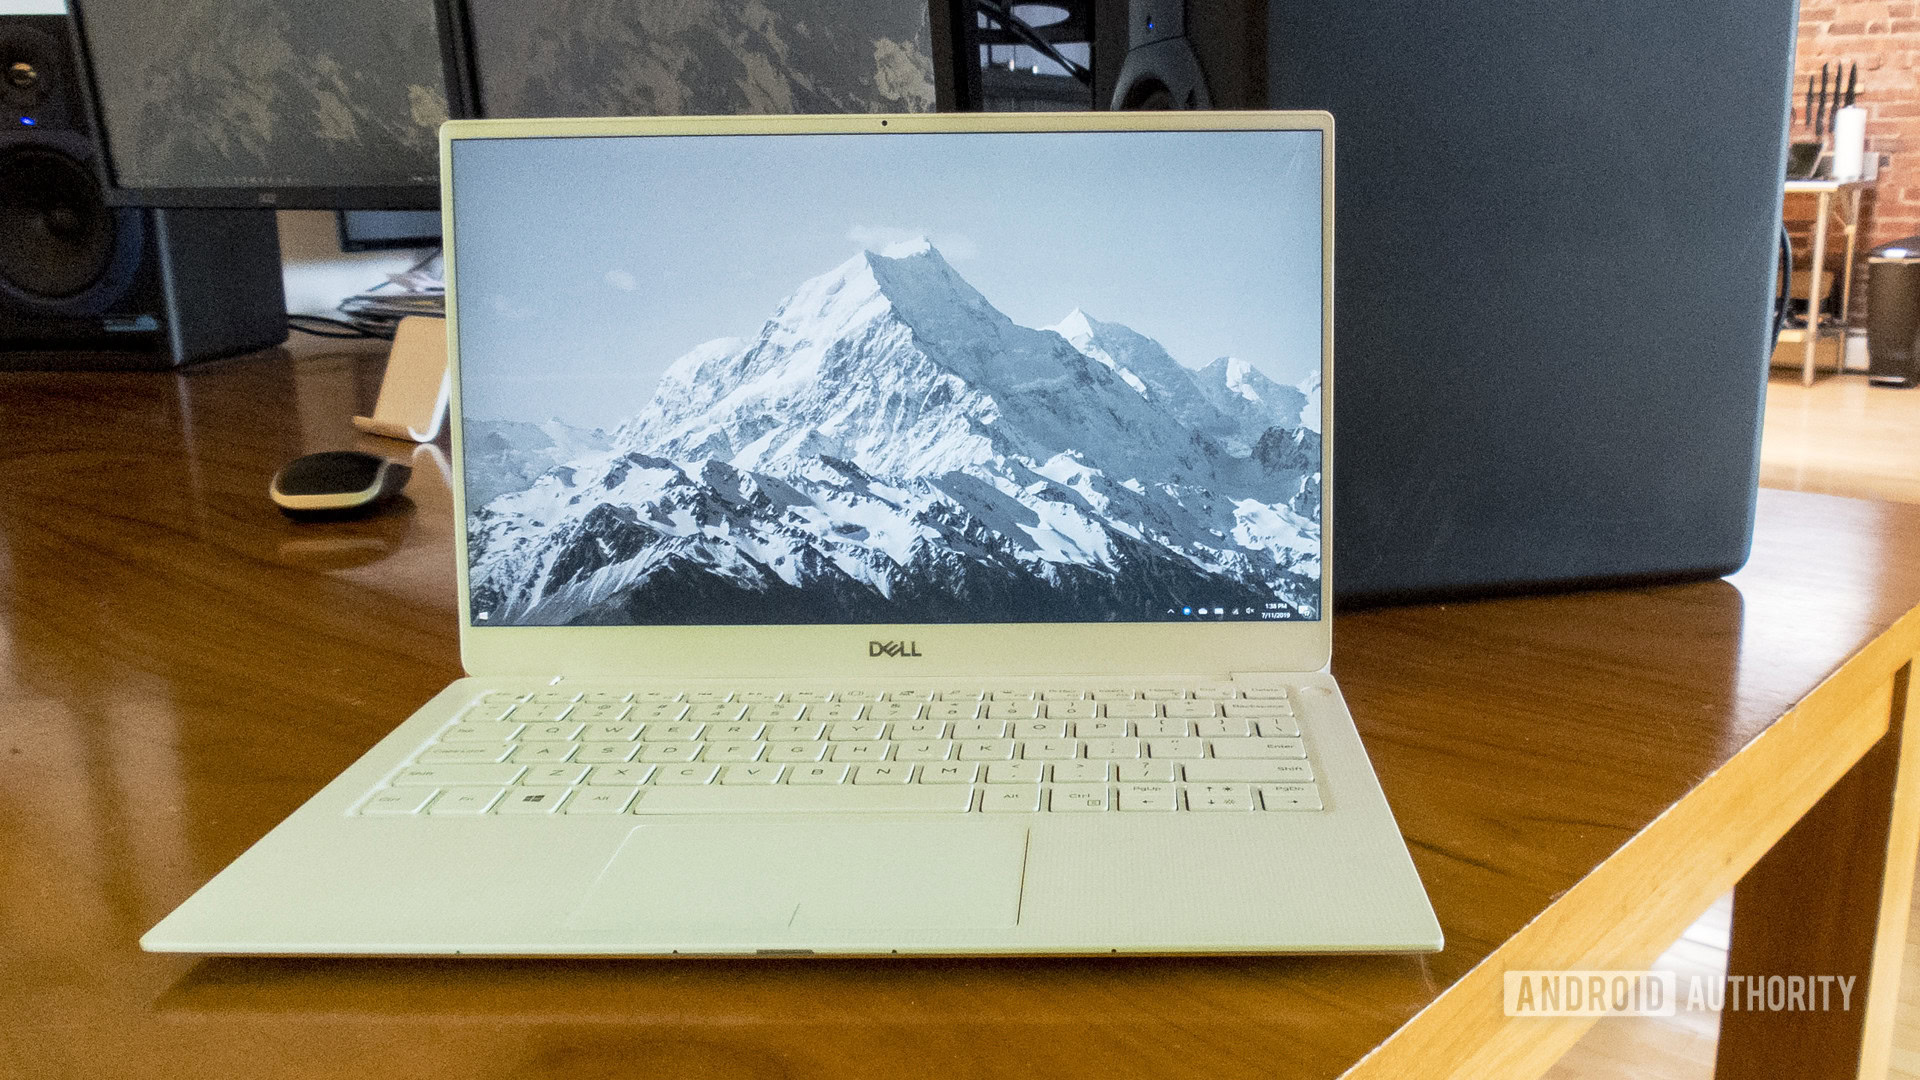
(1578, 777)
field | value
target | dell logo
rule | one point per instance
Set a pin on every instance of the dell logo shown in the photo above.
(893, 648)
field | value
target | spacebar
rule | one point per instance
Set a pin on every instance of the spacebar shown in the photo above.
(781, 799)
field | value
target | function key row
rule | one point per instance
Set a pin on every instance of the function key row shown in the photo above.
(530, 712)
(1223, 727)
(821, 696)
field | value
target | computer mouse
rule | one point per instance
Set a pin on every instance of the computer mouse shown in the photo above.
(336, 484)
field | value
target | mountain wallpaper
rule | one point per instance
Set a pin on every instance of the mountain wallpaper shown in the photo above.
(890, 447)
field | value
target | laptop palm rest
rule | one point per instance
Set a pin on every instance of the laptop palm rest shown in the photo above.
(837, 874)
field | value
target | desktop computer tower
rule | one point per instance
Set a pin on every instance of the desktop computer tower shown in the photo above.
(1555, 234)
(87, 284)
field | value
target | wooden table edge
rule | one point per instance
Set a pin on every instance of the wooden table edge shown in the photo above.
(1639, 900)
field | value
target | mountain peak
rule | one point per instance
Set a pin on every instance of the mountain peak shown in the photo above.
(907, 249)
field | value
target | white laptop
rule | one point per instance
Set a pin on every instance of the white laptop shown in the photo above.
(896, 534)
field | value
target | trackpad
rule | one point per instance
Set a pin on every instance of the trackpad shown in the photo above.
(830, 875)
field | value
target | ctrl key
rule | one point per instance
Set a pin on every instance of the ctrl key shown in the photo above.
(395, 802)
(1290, 796)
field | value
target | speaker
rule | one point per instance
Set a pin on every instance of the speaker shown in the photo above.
(87, 284)
(1185, 55)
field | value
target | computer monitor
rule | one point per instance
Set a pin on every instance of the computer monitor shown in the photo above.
(621, 58)
(266, 103)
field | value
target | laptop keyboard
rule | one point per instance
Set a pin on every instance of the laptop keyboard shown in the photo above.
(1021, 750)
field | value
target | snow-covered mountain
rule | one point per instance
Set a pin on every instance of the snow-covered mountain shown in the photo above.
(1310, 412)
(509, 455)
(890, 447)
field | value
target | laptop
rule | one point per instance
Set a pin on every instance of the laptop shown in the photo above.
(879, 535)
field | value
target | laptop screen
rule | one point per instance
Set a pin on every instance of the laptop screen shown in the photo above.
(1006, 377)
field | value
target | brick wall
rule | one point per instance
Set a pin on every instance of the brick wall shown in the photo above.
(1885, 39)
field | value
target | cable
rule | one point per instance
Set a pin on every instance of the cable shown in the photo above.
(329, 327)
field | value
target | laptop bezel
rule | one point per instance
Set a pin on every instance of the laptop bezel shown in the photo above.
(974, 650)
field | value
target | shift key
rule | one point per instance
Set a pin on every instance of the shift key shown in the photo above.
(1241, 771)
(456, 775)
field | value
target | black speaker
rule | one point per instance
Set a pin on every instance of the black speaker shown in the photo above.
(86, 284)
(1183, 55)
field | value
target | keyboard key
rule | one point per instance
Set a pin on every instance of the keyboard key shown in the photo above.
(1219, 797)
(786, 798)
(501, 696)
(1010, 799)
(1100, 729)
(1246, 771)
(986, 750)
(781, 713)
(604, 713)
(1285, 797)
(1145, 771)
(733, 751)
(665, 752)
(480, 732)
(961, 693)
(1259, 748)
(1257, 709)
(796, 751)
(1153, 797)
(1113, 693)
(610, 733)
(818, 774)
(1113, 748)
(795, 731)
(613, 751)
(1063, 694)
(555, 697)
(560, 732)
(1277, 727)
(531, 802)
(858, 694)
(1013, 710)
(611, 800)
(836, 712)
(1163, 693)
(485, 753)
(849, 730)
(860, 751)
(534, 714)
(741, 731)
(465, 801)
(604, 697)
(894, 710)
(1189, 710)
(1132, 710)
(708, 697)
(1050, 749)
(806, 697)
(1220, 691)
(551, 775)
(1162, 728)
(883, 774)
(659, 713)
(950, 772)
(684, 731)
(979, 729)
(1071, 710)
(1223, 728)
(456, 775)
(1071, 798)
(1015, 772)
(1082, 772)
(1176, 748)
(916, 694)
(654, 697)
(953, 710)
(748, 775)
(1040, 729)
(919, 730)
(1013, 693)
(924, 750)
(682, 775)
(544, 753)
(714, 711)
(757, 697)
(1266, 693)
(394, 801)
(486, 712)
(619, 775)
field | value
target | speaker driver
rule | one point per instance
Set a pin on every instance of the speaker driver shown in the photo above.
(56, 231)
